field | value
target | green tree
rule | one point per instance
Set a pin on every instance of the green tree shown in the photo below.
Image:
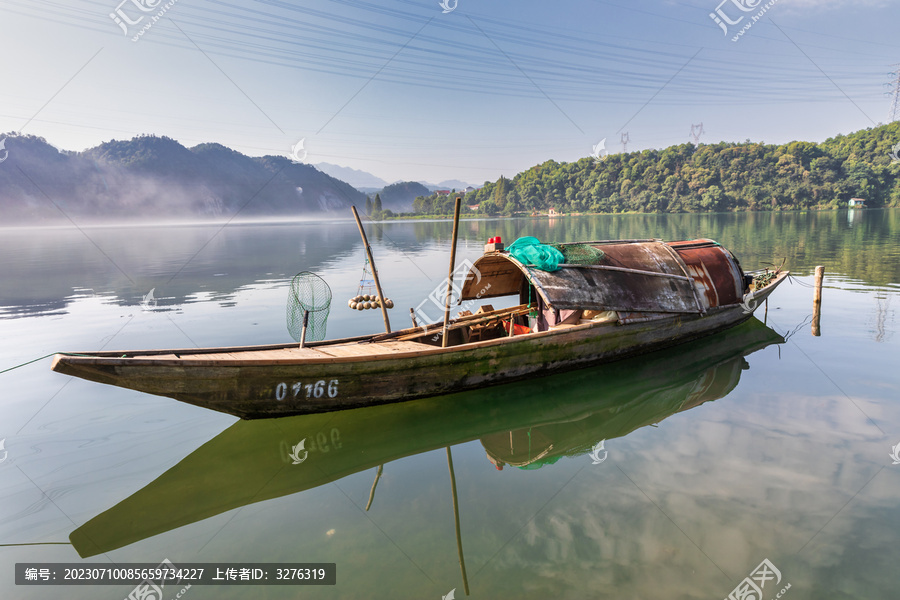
(489, 208)
(500, 190)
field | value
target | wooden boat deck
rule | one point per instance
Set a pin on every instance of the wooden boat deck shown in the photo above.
(292, 354)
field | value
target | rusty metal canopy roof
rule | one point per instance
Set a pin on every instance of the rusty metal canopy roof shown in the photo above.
(646, 276)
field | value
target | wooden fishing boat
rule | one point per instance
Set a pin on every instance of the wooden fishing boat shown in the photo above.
(256, 461)
(634, 297)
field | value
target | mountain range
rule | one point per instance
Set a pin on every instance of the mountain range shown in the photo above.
(368, 183)
(153, 177)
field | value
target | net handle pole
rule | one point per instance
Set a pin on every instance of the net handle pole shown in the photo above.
(362, 232)
(450, 277)
(305, 324)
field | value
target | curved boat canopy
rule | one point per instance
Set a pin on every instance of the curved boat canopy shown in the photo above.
(632, 276)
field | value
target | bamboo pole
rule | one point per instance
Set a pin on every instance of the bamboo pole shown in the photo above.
(624, 270)
(450, 277)
(817, 302)
(362, 232)
(459, 548)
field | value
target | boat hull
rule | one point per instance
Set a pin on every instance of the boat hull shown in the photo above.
(264, 384)
(252, 461)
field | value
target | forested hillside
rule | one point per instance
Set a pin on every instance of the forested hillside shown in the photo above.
(705, 178)
(399, 196)
(151, 176)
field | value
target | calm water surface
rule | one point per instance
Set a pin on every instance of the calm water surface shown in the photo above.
(764, 442)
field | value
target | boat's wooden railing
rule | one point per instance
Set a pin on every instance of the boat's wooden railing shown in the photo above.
(482, 319)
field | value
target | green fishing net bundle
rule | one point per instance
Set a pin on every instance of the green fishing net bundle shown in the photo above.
(531, 252)
(547, 257)
(580, 254)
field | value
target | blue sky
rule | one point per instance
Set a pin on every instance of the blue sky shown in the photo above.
(404, 90)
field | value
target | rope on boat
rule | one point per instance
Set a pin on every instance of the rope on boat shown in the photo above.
(793, 279)
(42, 358)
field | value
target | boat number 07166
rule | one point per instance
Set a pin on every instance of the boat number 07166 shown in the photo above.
(313, 390)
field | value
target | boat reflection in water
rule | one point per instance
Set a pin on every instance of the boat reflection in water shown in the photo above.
(525, 424)
(645, 395)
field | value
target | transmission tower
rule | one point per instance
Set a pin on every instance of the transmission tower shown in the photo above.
(894, 113)
(696, 132)
(625, 139)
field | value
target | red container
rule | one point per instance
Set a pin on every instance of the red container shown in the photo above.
(493, 245)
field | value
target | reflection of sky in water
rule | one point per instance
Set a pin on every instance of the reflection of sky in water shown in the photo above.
(792, 465)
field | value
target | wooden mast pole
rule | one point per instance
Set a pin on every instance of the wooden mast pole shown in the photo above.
(450, 277)
(362, 232)
(459, 548)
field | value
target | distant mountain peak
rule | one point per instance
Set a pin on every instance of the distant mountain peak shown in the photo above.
(355, 177)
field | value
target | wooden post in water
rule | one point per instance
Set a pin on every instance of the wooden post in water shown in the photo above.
(817, 301)
(450, 277)
(374, 483)
(362, 232)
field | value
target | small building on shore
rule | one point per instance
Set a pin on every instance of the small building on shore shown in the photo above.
(856, 203)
